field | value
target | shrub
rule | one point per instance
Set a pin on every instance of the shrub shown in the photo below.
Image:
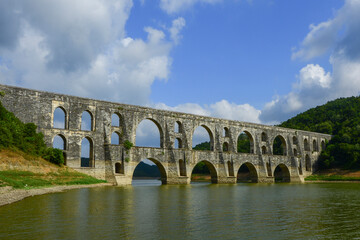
(128, 145)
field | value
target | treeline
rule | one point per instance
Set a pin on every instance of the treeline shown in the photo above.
(17, 135)
(340, 118)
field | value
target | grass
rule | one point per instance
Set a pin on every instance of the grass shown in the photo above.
(331, 178)
(26, 179)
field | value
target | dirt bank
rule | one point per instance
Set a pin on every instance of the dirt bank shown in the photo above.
(9, 195)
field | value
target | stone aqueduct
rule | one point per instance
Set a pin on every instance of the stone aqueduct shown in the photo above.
(116, 164)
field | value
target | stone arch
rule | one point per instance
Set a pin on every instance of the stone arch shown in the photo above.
(307, 163)
(264, 137)
(117, 120)
(248, 147)
(178, 143)
(87, 121)
(263, 150)
(281, 173)
(268, 168)
(279, 146)
(230, 165)
(210, 133)
(119, 168)
(295, 152)
(225, 147)
(159, 128)
(315, 146)
(87, 152)
(115, 138)
(295, 140)
(226, 132)
(182, 168)
(300, 167)
(59, 142)
(247, 173)
(161, 168)
(322, 145)
(212, 169)
(60, 118)
(178, 127)
(306, 145)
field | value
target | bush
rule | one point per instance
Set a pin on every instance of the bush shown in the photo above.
(128, 144)
(54, 155)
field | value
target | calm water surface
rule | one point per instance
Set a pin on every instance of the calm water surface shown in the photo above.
(148, 210)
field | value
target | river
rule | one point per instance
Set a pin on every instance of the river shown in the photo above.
(148, 210)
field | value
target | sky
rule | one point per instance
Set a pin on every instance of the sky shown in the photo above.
(260, 61)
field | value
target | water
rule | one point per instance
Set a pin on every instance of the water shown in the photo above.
(148, 210)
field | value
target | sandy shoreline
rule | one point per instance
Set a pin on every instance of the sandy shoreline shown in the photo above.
(9, 195)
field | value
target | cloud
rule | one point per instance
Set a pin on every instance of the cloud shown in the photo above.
(81, 48)
(338, 37)
(221, 109)
(175, 6)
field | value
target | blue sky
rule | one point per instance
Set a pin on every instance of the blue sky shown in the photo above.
(260, 61)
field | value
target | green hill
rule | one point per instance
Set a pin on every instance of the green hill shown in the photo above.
(341, 118)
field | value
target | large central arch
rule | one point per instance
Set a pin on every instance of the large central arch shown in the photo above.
(146, 121)
(282, 173)
(212, 169)
(247, 173)
(160, 167)
(211, 136)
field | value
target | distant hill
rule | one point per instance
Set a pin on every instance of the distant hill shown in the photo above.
(341, 118)
(146, 170)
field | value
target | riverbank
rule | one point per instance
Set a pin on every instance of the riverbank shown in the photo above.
(10, 195)
(334, 175)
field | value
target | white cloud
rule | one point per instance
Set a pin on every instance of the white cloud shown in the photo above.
(175, 29)
(175, 6)
(340, 38)
(81, 48)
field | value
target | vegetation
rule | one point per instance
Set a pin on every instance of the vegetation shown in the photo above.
(331, 178)
(27, 179)
(16, 135)
(341, 118)
(128, 145)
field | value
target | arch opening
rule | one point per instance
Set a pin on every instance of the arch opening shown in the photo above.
(87, 153)
(230, 165)
(204, 171)
(315, 146)
(268, 169)
(149, 134)
(300, 168)
(203, 139)
(115, 138)
(86, 121)
(247, 173)
(119, 168)
(282, 173)
(307, 163)
(295, 152)
(178, 127)
(150, 170)
(115, 120)
(59, 118)
(59, 142)
(322, 145)
(182, 168)
(178, 143)
(295, 140)
(245, 143)
(225, 147)
(279, 146)
(306, 145)
(263, 150)
(226, 132)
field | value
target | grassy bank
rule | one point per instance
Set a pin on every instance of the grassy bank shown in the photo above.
(335, 175)
(21, 170)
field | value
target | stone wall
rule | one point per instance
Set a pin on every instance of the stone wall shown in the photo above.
(116, 164)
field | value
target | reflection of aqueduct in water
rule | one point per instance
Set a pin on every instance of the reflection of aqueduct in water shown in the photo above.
(115, 163)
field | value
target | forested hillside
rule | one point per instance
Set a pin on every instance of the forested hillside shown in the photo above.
(341, 118)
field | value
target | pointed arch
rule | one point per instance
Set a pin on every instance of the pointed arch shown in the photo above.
(178, 143)
(159, 165)
(282, 173)
(119, 168)
(295, 140)
(182, 168)
(226, 132)
(247, 173)
(115, 138)
(245, 142)
(149, 133)
(306, 145)
(225, 147)
(59, 142)
(199, 137)
(212, 170)
(264, 137)
(307, 163)
(178, 128)
(116, 120)
(322, 145)
(87, 121)
(279, 146)
(315, 146)
(263, 150)
(87, 152)
(60, 118)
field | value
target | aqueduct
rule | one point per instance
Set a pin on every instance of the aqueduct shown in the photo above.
(175, 157)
